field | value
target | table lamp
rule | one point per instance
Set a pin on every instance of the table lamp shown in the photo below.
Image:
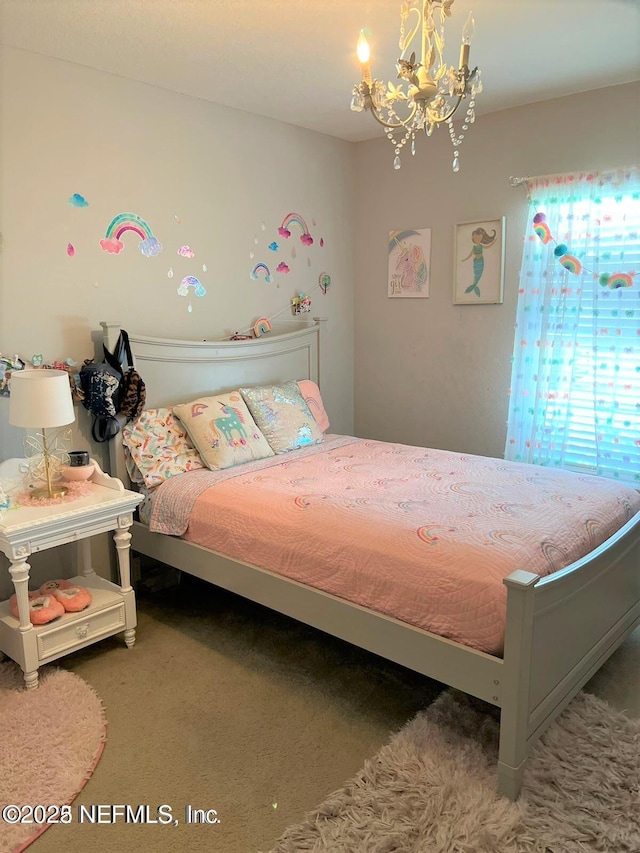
(41, 399)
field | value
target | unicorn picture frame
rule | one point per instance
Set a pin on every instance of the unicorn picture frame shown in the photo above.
(478, 264)
(409, 263)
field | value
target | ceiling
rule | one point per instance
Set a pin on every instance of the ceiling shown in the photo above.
(294, 60)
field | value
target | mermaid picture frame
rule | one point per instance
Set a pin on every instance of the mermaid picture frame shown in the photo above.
(478, 264)
(409, 263)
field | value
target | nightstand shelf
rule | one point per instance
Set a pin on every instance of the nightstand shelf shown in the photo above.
(28, 529)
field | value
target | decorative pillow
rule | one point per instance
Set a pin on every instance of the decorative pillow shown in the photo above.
(159, 446)
(132, 469)
(222, 429)
(283, 416)
(312, 398)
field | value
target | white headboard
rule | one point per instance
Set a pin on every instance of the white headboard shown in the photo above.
(176, 371)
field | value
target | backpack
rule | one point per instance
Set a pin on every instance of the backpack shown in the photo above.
(101, 383)
(109, 390)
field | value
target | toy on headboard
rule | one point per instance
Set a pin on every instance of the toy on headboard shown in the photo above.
(261, 327)
(7, 365)
(301, 304)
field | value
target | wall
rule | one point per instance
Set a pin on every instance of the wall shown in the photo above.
(130, 147)
(429, 372)
(127, 146)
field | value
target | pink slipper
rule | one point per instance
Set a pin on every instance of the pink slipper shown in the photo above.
(50, 586)
(42, 608)
(73, 598)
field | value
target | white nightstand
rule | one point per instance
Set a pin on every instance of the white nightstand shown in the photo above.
(29, 529)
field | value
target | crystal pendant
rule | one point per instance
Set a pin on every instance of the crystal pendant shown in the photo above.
(396, 162)
(413, 147)
(456, 163)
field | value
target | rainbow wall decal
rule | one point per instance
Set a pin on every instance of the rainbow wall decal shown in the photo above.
(191, 281)
(295, 219)
(124, 222)
(261, 326)
(255, 272)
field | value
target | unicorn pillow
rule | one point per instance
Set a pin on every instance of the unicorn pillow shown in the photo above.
(223, 431)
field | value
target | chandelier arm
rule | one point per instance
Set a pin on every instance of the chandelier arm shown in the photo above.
(410, 38)
(449, 114)
(399, 123)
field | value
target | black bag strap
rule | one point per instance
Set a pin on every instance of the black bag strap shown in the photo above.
(123, 350)
(113, 361)
(104, 428)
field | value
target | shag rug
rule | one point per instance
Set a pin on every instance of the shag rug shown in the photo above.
(432, 789)
(51, 740)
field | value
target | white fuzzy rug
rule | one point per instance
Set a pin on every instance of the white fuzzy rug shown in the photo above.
(51, 739)
(432, 789)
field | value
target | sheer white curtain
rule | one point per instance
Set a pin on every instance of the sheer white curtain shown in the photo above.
(575, 385)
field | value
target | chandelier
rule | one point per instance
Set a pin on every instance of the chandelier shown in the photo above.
(430, 91)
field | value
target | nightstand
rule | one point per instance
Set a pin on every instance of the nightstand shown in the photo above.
(29, 529)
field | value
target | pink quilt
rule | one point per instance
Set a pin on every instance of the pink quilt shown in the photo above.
(425, 536)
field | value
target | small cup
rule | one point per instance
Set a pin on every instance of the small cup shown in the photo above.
(78, 458)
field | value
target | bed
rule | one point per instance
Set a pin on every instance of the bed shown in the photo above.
(556, 629)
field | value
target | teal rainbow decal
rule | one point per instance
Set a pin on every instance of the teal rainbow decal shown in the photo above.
(190, 281)
(124, 222)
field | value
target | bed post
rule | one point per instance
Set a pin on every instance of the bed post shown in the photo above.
(514, 690)
(110, 334)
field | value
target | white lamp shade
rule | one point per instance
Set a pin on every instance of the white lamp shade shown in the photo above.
(40, 399)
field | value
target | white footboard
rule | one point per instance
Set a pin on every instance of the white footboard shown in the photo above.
(560, 630)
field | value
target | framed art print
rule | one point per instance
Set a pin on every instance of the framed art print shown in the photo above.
(478, 264)
(409, 263)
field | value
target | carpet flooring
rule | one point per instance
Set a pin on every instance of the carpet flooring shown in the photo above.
(225, 705)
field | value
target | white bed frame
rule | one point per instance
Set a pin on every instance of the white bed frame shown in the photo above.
(559, 629)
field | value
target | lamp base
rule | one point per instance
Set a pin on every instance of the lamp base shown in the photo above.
(56, 492)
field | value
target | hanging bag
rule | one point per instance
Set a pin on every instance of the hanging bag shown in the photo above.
(101, 385)
(110, 388)
(133, 391)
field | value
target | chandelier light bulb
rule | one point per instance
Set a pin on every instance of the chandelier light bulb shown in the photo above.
(362, 49)
(469, 29)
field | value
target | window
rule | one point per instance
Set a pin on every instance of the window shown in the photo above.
(575, 390)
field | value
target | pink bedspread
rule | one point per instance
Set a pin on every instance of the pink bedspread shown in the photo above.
(423, 535)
